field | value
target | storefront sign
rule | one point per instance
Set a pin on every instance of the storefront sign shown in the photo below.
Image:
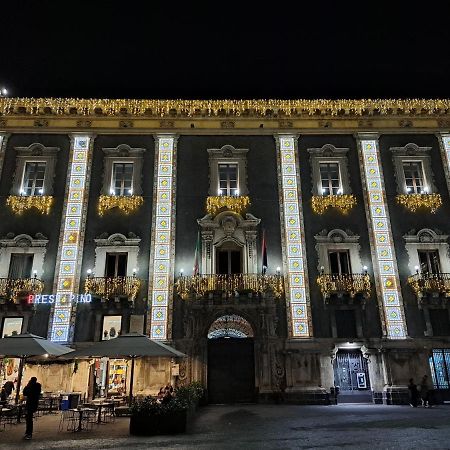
(68, 299)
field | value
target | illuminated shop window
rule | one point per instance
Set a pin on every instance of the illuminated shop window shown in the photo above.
(12, 326)
(112, 327)
(440, 368)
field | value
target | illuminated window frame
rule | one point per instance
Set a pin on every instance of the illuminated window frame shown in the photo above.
(385, 266)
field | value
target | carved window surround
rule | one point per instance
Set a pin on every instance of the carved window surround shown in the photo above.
(123, 153)
(230, 155)
(23, 243)
(116, 243)
(35, 153)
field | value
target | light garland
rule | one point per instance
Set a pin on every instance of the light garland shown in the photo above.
(21, 203)
(423, 283)
(350, 284)
(413, 202)
(127, 204)
(345, 202)
(236, 204)
(113, 287)
(13, 288)
(190, 108)
(229, 285)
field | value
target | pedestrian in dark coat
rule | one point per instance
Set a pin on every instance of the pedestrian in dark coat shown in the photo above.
(425, 392)
(32, 392)
(413, 393)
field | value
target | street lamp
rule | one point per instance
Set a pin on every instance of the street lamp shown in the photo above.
(3, 92)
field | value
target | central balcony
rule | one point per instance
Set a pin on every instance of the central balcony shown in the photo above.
(113, 287)
(230, 285)
(20, 288)
(344, 284)
(430, 283)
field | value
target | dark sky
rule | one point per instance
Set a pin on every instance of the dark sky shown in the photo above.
(224, 49)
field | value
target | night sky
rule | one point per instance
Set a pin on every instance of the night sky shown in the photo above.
(224, 50)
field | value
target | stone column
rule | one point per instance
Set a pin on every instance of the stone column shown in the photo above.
(71, 239)
(444, 143)
(162, 251)
(384, 261)
(3, 141)
(293, 239)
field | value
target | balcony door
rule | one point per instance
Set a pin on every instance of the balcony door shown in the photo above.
(228, 259)
(339, 262)
(429, 261)
(21, 265)
(116, 265)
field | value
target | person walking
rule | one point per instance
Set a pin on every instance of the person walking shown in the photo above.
(32, 392)
(413, 393)
(425, 392)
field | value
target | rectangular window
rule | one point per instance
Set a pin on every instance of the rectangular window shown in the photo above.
(122, 182)
(330, 178)
(228, 179)
(116, 265)
(440, 322)
(414, 178)
(33, 178)
(112, 327)
(20, 265)
(339, 261)
(440, 368)
(429, 261)
(12, 326)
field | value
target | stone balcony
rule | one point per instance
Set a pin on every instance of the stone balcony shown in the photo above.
(17, 289)
(434, 284)
(199, 286)
(350, 284)
(113, 287)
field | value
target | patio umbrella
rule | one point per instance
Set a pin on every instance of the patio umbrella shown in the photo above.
(24, 346)
(131, 346)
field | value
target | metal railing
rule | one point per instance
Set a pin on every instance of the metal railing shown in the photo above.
(15, 289)
(345, 283)
(430, 283)
(229, 285)
(110, 287)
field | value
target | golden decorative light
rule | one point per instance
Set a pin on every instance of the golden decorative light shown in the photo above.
(236, 204)
(430, 283)
(351, 284)
(109, 287)
(126, 203)
(21, 203)
(189, 108)
(344, 203)
(14, 289)
(413, 202)
(230, 285)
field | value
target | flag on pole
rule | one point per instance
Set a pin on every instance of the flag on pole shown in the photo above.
(264, 253)
(197, 255)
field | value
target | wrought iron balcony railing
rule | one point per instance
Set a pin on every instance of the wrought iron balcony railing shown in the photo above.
(110, 287)
(430, 283)
(229, 285)
(15, 289)
(350, 284)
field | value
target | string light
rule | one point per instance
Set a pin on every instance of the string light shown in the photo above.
(344, 203)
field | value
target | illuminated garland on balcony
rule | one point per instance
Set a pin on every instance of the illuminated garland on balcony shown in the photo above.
(21, 203)
(413, 202)
(127, 204)
(350, 284)
(423, 283)
(113, 287)
(320, 203)
(13, 288)
(236, 204)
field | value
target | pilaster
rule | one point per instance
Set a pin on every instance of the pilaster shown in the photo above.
(444, 143)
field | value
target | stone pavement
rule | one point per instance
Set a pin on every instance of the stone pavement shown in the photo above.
(263, 427)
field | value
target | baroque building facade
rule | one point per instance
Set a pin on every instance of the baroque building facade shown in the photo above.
(287, 247)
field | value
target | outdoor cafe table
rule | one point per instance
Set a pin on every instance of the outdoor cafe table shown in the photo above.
(100, 404)
(80, 416)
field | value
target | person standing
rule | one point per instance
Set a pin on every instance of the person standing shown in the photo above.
(32, 392)
(413, 393)
(425, 392)
(9, 387)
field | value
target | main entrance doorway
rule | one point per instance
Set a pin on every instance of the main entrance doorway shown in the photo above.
(351, 375)
(231, 361)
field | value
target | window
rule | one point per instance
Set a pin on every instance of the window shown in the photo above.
(330, 178)
(33, 178)
(440, 322)
(122, 179)
(339, 262)
(440, 368)
(228, 179)
(20, 265)
(112, 327)
(116, 265)
(429, 261)
(414, 178)
(12, 326)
